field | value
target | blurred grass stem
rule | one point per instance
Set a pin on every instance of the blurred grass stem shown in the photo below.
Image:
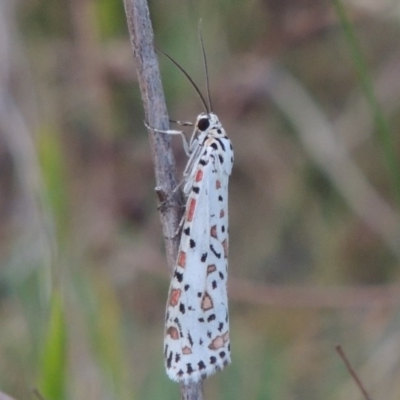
(382, 127)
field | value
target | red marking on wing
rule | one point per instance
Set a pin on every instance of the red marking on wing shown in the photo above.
(219, 341)
(218, 184)
(182, 259)
(225, 245)
(186, 350)
(174, 298)
(222, 213)
(173, 332)
(191, 208)
(206, 302)
(213, 231)
(199, 175)
(211, 268)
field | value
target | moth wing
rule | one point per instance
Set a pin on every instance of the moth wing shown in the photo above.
(197, 330)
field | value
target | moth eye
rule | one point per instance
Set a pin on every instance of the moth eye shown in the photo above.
(203, 124)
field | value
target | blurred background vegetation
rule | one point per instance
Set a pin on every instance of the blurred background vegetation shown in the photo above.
(312, 105)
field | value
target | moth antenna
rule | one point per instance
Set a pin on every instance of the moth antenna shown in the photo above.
(188, 77)
(205, 67)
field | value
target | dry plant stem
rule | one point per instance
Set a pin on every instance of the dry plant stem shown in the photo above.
(242, 291)
(352, 372)
(286, 296)
(141, 35)
(331, 155)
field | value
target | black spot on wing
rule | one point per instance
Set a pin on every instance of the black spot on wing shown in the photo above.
(189, 369)
(221, 159)
(220, 141)
(211, 318)
(204, 257)
(213, 360)
(203, 161)
(196, 189)
(182, 308)
(220, 198)
(186, 287)
(214, 146)
(169, 359)
(218, 255)
(178, 276)
(201, 365)
(186, 231)
(176, 320)
(192, 243)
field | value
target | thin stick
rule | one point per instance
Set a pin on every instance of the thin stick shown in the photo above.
(352, 372)
(141, 36)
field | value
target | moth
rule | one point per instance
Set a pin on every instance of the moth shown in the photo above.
(196, 338)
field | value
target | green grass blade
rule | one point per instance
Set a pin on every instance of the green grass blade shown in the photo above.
(52, 375)
(382, 127)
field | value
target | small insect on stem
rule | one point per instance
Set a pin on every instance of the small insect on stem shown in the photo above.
(196, 338)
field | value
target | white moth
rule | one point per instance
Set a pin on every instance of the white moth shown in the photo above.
(196, 342)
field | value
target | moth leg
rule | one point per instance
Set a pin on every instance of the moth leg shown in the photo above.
(178, 229)
(172, 132)
(180, 225)
(166, 198)
(181, 123)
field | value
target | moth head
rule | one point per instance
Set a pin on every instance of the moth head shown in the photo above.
(207, 121)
